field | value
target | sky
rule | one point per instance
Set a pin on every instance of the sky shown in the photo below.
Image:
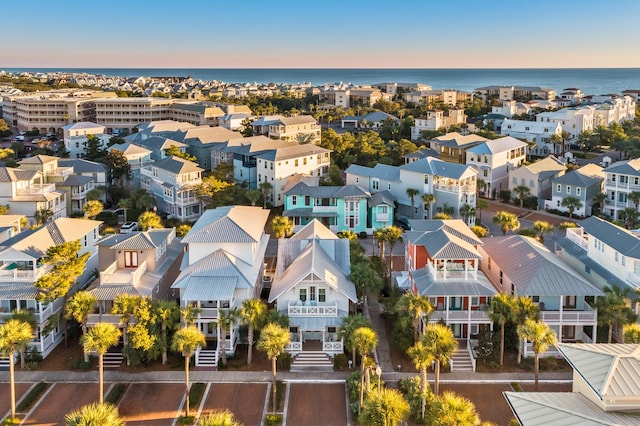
(320, 34)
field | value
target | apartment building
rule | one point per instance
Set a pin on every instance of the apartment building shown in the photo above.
(493, 159)
(518, 93)
(436, 120)
(127, 113)
(540, 133)
(621, 179)
(572, 120)
(447, 96)
(353, 97)
(302, 129)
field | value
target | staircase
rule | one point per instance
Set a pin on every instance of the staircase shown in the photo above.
(207, 358)
(461, 360)
(311, 361)
(4, 363)
(112, 359)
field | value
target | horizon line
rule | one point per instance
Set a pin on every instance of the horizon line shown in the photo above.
(325, 68)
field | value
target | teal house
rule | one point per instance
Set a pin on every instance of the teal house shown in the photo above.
(339, 208)
(380, 210)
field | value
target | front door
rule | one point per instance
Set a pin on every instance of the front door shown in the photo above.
(130, 259)
(455, 303)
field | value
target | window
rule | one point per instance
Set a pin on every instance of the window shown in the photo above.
(489, 264)
(294, 200)
(130, 259)
(322, 295)
(514, 180)
(535, 299)
(375, 184)
(426, 179)
(559, 188)
(304, 161)
(624, 261)
(303, 294)
(312, 293)
(296, 163)
(389, 187)
(485, 173)
(475, 301)
(513, 289)
(568, 189)
(615, 255)
(578, 191)
(569, 302)
(486, 158)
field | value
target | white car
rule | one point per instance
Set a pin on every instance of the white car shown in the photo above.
(129, 227)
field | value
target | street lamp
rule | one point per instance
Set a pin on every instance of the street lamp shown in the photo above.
(379, 374)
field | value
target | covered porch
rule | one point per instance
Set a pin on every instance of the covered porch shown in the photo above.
(315, 334)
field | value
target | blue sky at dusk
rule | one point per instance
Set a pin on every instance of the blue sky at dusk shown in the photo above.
(320, 34)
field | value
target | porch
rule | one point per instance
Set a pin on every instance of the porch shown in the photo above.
(322, 340)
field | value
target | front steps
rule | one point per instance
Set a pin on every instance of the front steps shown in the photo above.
(112, 359)
(207, 358)
(311, 361)
(461, 361)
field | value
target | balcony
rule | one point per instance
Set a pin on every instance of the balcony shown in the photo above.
(63, 172)
(297, 309)
(468, 316)
(20, 271)
(577, 237)
(106, 318)
(147, 171)
(325, 209)
(587, 316)
(37, 189)
(187, 200)
(130, 276)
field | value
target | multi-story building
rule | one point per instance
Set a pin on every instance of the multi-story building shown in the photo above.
(584, 184)
(76, 135)
(311, 287)
(127, 113)
(223, 265)
(302, 129)
(26, 193)
(136, 155)
(353, 97)
(49, 112)
(172, 181)
(204, 113)
(436, 120)
(509, 108)
(537, 177)
(21, 266)
(572, 120)
(621, 179)
(453, 185)
(521, 266)
(453, 146)
(493, 159)
(203, 140)
(518, 93)
(540, 133)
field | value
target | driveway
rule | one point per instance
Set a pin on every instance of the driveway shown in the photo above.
(5, 396)
(151, 403)
(312, 404)
(60, 399)
(245, 400)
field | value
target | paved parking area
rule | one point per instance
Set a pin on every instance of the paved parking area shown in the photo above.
(60, 399)
(487, 398)
(245, 400)
(151, 404)
(5, 396)
(314, 404)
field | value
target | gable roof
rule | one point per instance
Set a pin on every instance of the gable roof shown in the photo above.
(177, 165)
(314, 230)
(611, 370)
(39, 159)
(627, 167)
(299, 119)
(384, 197)
(311, 263)
(205, 135)
(158, 143)
(441, 244)
(302, 188)
(8, 174)
(497, 145)
(380, 171)
(575, 178)
(231, 224)
(456, 227)
(534, 270)
(436, 167)
(622, 240)
(456, 140)
(129, 148)
(219, 266)
(83, 166)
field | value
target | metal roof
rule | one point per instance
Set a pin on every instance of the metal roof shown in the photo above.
(627, 167)
(109, 292)
(456, 227)
(232, 224)
(177, 165)
(534, 270)
(208, 288)
(18, 291)
(441, 244)
(218, 264)
(384, 197)
(314, 230)
(380, 171)
(435, 166)
(302, 188)
(575, 178)
(614, 236)
(497, 145)
(453, 286)
(563, 409)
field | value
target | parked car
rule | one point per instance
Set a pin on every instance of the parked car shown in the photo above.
(129, 227)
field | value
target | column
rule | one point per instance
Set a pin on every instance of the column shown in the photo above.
(560, 322)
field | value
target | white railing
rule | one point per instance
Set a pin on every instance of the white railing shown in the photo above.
(577, 238)
(313, 311)
(37, 188)
(19, 275)
(294, 347)
(105, 318)
(471, 354)
(333, 347)
(62, 171)
(528, 351)
(382, 217)
(50, 309)
(587, 315)
(325, 209)
(138, 273)
(111, 269)
(478, 316)
(186, 200)
(146, 171)
(586, 338)
(208, 313)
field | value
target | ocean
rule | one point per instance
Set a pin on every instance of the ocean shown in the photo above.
(591, 80)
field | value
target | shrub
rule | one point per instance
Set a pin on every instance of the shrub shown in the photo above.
(516, 387)
(284, 361)
(480, 231)
(183, 230)
(32, 396)
(185, 421)
(80, 364)
(77, 215)
(410, 389)
(108, 230)
(339, 361)
(362, 235)
(109, 218)
(116, 393)
(273, 419)
(505, 196)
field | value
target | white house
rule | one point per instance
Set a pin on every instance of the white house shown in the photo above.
(493, 159)
(572, 120)
(621, 179)
(437, 119)
(222, 267)
(539, 132)
(21, 266)
(75, 137)
(311, 286)
(172, 181)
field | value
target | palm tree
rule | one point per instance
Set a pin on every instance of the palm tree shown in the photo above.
(439, 339)
(501, 310)
(525, 309)
(226, 321)
(186, 341)
(422, 358)
(141, 199)
(572, 204)
(78, 307)
(428, 200)
(169, 315)
(393, 235)
(411, 193)
(125, 305)
(634, 197)
(481, 204)
(348, 325)
(273, 340)
(365, 340)
(281, 227)
(523, 191)
(94, 414)
(125, 204)
(632, 333)
(613, 309)
(219, 418)
(630, 216)
(507, 221)
(415, 307)
(467, 212)
(253, 313)
(599, 199)
(99, 339)
(542, 227)
(265, 189)
(253, 195)
(451, 409)
(13, 335)
(384, 408)
(584, 138)
(93, 208)
(29, 317)
(541, 337)
(189, 314)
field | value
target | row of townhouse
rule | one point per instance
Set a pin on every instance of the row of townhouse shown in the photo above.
(453, 185)
(49, 183)
(460, 273)
(445, 96)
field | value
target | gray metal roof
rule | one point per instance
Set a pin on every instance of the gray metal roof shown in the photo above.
(429, 286)
(208, 288)
(434, 166)
(614, 236)
(18, 291)
(563, 409)
(581, 254)
(575, 178)
(441, 244)
(218, 264)
(627, 167)
(158, 143)
(497, 145)
(109, 292)
(177, 165)
(302, 188)
(76, 180)
(456, 227)
(380, 171)
(314, 230)
(384, 197)
(231, 224)
(534, 270)
(82, 166)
